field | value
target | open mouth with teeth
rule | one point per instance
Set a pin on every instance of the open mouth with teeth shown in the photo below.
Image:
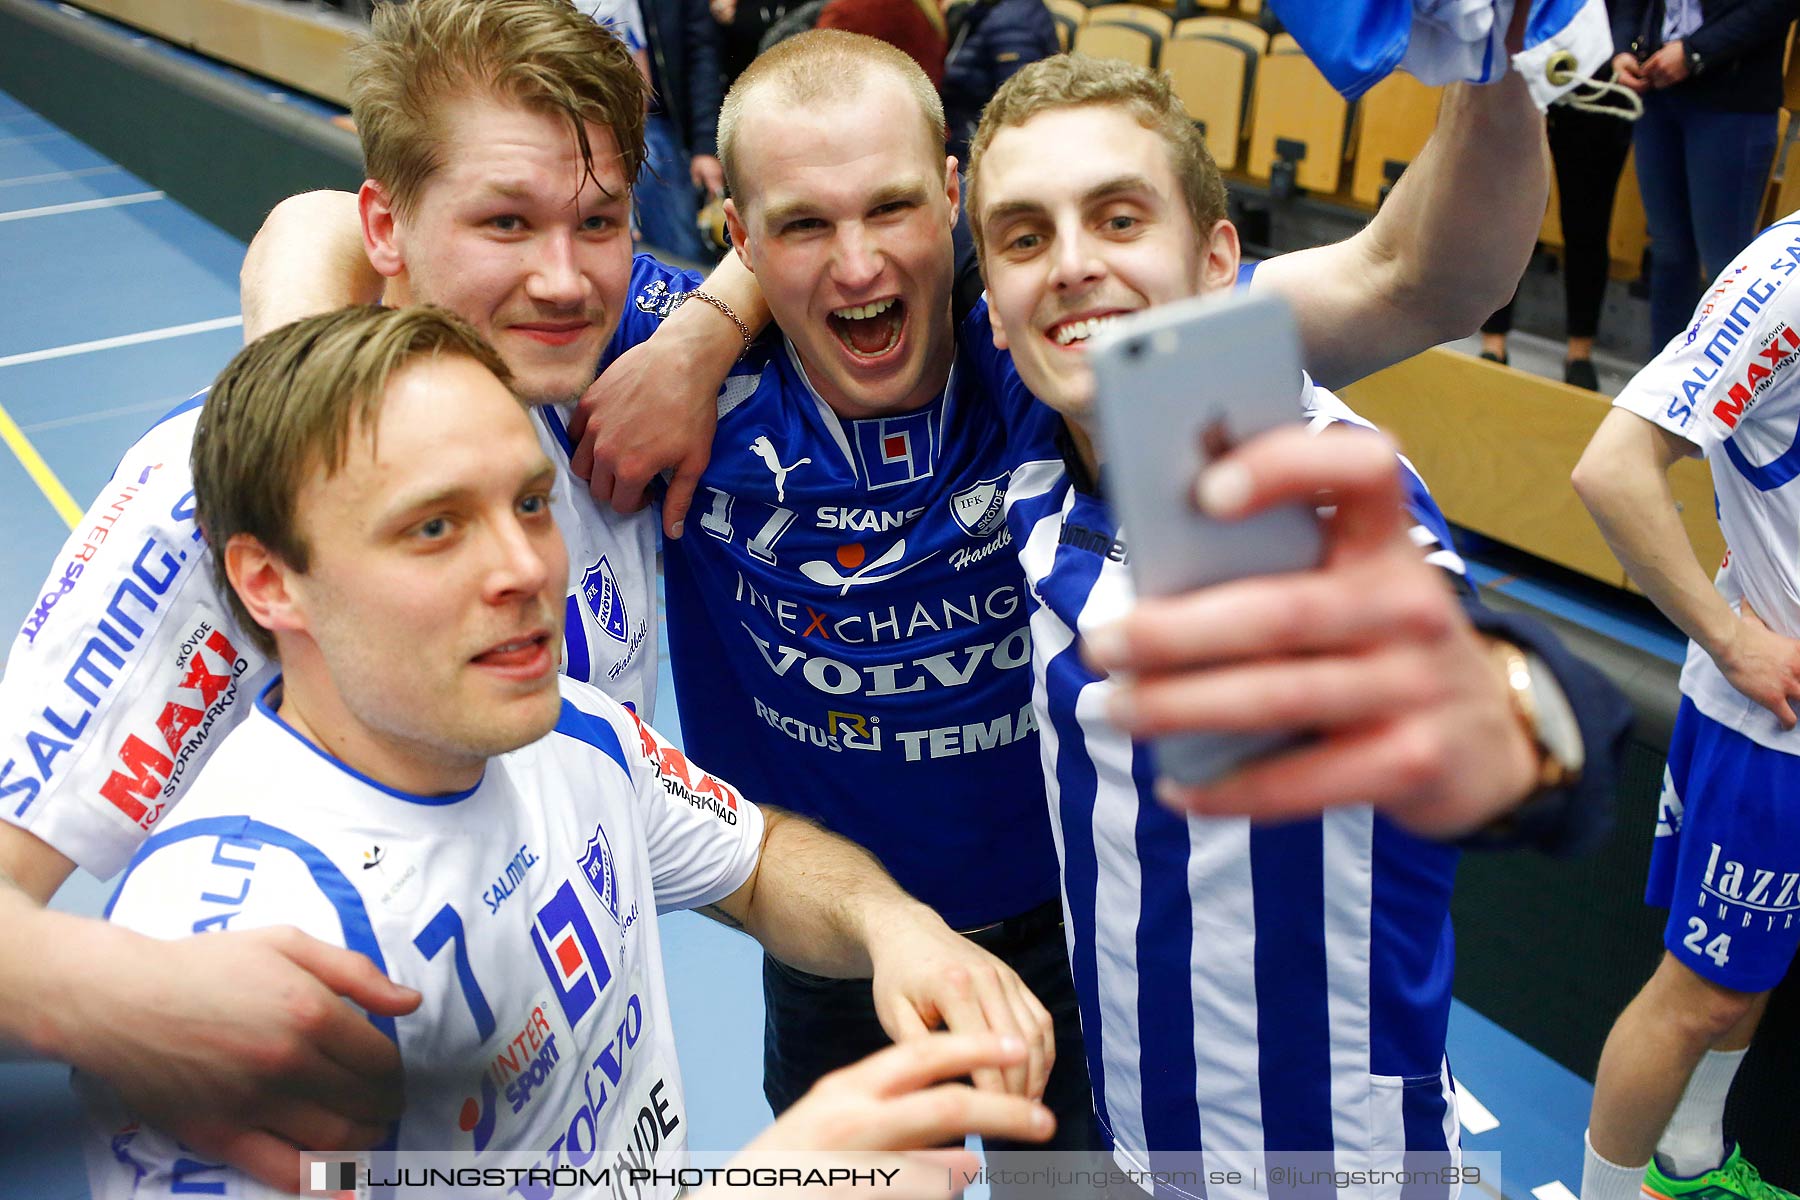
(870, 330)
(1074, 333)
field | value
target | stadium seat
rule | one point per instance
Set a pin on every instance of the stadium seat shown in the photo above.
(1142, 15)
(1394, 120)
(1213, 77)
(1248, 32)
(1074, 10)
(1294, 102)
(1065, 29)
(1283, 43)
(1130, 43)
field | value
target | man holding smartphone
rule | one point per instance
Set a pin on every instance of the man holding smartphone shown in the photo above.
(1247, 989)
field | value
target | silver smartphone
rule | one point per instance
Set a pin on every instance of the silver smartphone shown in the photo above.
(1175, 387)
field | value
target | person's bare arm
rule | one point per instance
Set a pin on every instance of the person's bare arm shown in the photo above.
(823, 904)
(1623, 479)
(1444, 252)
(306, 259)
(30, 865)
(236, 1043)
(655, 407)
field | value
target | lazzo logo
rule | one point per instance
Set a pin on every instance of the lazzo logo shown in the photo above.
(980, 509)
(862, 569)
(1769, 893)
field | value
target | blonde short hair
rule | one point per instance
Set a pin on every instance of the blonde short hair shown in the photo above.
(289, 402)
(546, 55)
(824, 66)
(1076, 81)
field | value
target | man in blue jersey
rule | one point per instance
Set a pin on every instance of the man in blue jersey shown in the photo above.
(1246, 989)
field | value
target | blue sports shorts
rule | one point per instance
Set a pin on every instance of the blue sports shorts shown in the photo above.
(1726, 861)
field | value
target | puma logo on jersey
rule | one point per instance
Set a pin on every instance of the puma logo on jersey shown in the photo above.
(764, 449)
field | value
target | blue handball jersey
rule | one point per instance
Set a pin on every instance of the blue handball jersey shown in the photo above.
(1244, 990)
(849, 634)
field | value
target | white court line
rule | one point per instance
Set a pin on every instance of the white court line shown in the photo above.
(1554, 1190)
(128, 339)
(57, 176)
(105, 414)
(29, 138)
(1471, 1113)
(52, 210)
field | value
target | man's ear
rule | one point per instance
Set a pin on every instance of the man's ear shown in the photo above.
(380, 228)
(1220, 258)
(264, 583)
(952, 186)
(740, 234)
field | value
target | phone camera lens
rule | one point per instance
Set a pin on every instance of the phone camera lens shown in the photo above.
(1134, 349)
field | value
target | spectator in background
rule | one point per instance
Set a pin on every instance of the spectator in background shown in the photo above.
(989, 41)
(681, 131)
(915, 26)
(1710, 76)
(741, 30)
(1588, 150)
(626, 20)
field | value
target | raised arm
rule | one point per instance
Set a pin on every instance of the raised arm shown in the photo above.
(823, 904)
(655, 407)
(1623, 479)
(1444, 252)
(306, 259)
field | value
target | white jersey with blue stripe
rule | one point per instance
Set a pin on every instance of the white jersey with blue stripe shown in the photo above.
(524, 909)
(1244, 990)
(130, 668)
(1728, 385)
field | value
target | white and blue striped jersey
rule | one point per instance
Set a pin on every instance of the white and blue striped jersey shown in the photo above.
(1728, 385)
(115, 693)
(524, 909)
(1244, 989)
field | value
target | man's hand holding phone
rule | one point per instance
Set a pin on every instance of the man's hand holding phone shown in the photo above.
(1369, 651)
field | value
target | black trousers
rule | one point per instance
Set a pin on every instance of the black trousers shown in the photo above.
(813, 1026)
(1588, 150)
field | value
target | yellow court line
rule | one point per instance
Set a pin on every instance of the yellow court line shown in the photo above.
(39, 470)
